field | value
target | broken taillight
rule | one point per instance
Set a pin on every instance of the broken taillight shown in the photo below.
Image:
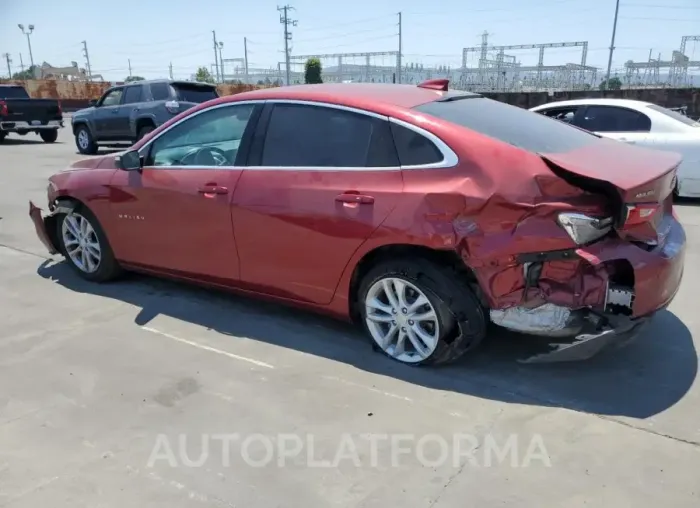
(3, 108)
(640, 213)
(584, 229)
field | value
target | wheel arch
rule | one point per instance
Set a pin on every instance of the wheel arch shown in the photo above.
(144, 121)
(382, 253)
(81, 123)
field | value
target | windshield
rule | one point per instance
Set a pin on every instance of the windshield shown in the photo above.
(13, 92)
(519, 127)
(675, 115)
(194, 93)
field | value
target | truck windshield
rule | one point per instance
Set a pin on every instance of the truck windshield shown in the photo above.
(519, 127)
(194, 93)
(13, 92)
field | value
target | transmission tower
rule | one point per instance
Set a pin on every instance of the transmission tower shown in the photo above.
(284, 19)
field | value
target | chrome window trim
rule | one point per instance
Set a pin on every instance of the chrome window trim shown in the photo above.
(449, 160)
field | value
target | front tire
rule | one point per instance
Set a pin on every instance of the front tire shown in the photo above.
(85, 246)
(84, 141)
(143, 131)
(420, 313)
(49, 136)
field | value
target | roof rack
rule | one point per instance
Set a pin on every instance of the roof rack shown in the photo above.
(435, 84)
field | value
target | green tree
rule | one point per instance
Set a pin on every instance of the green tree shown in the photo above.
(312, 71)
(25, 74)
(204, 75)
(612, 84)
(133, 78)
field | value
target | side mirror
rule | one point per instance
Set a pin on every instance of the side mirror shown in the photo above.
(92, 103)
(129, 161)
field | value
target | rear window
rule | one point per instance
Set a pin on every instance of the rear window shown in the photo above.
(194, 93)
(519, 127)
(675, 115)
(13, 92)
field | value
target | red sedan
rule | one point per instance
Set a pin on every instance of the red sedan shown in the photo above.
(418, 212)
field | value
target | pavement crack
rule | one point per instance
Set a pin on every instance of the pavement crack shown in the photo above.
(649, 431)
(17, 249)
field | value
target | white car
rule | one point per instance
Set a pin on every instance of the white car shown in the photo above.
(640, 123)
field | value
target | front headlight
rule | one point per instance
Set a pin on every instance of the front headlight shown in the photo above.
(584, 229)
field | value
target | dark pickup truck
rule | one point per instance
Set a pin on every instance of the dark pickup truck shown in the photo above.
(126, 113)
(21, 114)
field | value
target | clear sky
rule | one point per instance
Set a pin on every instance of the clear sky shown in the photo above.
(153, 34)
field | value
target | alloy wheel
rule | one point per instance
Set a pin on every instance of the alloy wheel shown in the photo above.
(401, 320)
(81, 242)
(83, 140)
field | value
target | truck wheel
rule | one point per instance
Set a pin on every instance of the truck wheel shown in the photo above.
(419, 313)
(143, 131)
(83, 140)
(2, 136)
(49, 136)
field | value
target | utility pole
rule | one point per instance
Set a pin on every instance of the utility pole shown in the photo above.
(9, 62)
(21, 63)
(398, 57)
(284, 19)
(245, 59)
(129, 67)
(29, 42)
(87, 61)
(170, 70)
(612, 45)
(216, 55)
(221, 59)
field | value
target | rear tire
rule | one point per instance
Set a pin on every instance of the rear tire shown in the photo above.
(84, 244)
(3, 135)
(143, 131)
(437, 311)
(84, 141)
(49, 136)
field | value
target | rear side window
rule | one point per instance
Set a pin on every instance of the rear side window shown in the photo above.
(160, 91)
(614, 119)
(132, 94)
(519, 127)
(193, 93)
(318, 136)
(413, 148)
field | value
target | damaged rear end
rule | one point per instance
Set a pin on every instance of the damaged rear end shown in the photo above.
(571, 236)
(628, 257)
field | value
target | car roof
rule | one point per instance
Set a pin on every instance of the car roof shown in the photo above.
(596, 102)
(361, 95)
(168, 81)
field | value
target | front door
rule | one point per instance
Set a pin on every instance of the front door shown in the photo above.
(319, 182)
(175, 215)
(106, 114)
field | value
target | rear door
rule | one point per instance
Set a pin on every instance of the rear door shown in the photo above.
(320, 180)
(174, 215)
(614, 122)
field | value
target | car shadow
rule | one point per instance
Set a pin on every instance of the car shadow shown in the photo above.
(27, 141)
(686, 201)
(643, 379)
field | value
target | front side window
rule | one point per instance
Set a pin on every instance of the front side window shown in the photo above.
(113, 97)
(317, 136)
(614, 119)
(210, 138)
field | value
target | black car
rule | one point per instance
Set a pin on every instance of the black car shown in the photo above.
(20, 114)
(126, 113)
